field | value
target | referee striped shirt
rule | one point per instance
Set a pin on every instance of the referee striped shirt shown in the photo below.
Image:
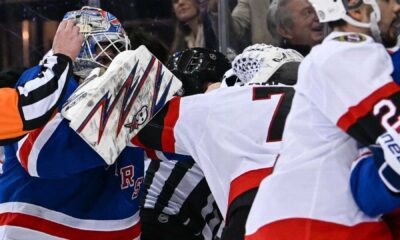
(179, 188)
(33, 103)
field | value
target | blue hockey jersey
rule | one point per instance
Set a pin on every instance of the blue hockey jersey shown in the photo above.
(54, 186)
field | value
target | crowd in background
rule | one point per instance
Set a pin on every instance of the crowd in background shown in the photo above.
(195, 26)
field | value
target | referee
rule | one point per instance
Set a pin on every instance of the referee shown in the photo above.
(176, 200)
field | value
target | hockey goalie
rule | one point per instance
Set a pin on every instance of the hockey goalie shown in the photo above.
(56, 185)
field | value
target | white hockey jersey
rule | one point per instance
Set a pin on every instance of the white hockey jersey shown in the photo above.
(233, 133)
(335, 107)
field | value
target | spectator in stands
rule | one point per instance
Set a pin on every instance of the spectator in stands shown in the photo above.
(247, 23)
(294, 24)
(192, 29)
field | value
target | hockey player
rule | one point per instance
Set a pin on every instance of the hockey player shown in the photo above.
(345, 94)
(31, 105)
(371, 185)
(54, 185)
(177, 202)
(232, 133)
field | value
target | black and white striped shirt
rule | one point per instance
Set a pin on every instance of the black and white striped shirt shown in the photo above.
(179, 188)
(39, 98)
(34, 101)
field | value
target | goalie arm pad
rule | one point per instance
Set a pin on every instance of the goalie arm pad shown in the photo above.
(368, 189)
(56, 151)
(42, 88)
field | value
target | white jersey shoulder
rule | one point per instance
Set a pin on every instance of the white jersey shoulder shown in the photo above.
(335, 69)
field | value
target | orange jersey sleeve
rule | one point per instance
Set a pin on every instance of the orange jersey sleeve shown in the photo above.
(36, 98)
(11, 125)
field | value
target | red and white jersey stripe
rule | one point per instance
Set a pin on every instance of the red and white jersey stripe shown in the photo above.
(308, 195)
(36, 222)
(227, 132)
(29, 147)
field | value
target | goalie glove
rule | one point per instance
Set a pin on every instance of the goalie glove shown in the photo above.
(108, 111)
(389, 168)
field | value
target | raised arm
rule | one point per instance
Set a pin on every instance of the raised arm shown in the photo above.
(32, 104)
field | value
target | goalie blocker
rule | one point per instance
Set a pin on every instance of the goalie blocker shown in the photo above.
(108, 111)
(389, 169)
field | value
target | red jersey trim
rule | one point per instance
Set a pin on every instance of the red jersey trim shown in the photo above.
(151, 154)
(62, 231)
(365, 106)
(308, 229)
(168, 137)
(246, 182)
(26, 148)
(135, 141)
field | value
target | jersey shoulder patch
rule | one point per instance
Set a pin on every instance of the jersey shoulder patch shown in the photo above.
(353, 38)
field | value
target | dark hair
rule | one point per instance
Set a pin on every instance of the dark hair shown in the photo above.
(338, 23)
(286, 74)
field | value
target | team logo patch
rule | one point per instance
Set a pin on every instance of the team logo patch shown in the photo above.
(354, 38)
(162, 218)
(140, 118)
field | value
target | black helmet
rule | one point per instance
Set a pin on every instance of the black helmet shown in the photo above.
(196, 67)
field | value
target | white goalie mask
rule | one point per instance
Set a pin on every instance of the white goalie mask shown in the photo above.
(104, 38)
(333, 10)
(259, 62)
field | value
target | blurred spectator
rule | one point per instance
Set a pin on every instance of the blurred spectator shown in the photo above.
(294, 24)
(154, 44)
(193, 29)
(203, 6)
(247, 23)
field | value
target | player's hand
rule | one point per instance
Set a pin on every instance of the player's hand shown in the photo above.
(68, 40)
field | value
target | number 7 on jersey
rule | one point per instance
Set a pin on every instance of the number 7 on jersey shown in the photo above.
(281, 111)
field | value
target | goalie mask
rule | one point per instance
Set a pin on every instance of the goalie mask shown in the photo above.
(104, 38)
(333, 10)
(197, 67)
(259, 62)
